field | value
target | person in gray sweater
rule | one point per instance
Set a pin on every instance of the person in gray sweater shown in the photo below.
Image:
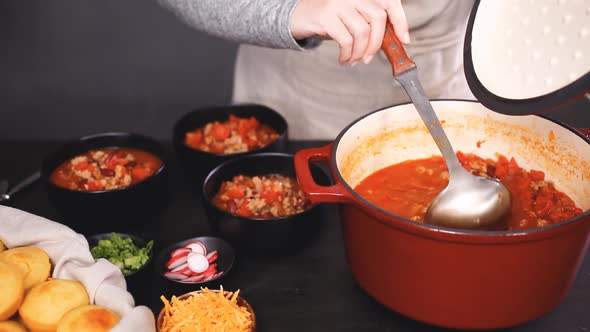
(300, 56)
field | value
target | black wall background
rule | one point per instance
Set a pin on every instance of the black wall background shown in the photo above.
(74, 67)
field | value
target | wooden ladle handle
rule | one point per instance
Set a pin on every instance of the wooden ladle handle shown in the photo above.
(394, 50)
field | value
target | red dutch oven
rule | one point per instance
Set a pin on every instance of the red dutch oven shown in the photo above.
(458, 278)
(446, 277)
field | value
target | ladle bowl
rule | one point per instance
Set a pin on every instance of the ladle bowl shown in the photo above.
(452, 206)
(470, 202)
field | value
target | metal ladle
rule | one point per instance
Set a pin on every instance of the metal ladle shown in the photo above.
(468, 201)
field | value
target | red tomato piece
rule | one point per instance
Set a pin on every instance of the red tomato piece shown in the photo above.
(270, 195)
(219, 131)
(244, 211)
(513, 167)
(193, 139)
(81, 166)
(235, 192)
(216, 148)
(535, 175)
(140, 173)
(95, 185)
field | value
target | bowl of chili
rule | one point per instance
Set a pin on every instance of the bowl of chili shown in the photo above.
(107, 182)
(204, 138)
(255, 203)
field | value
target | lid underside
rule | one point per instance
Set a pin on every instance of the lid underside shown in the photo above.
(528, 56)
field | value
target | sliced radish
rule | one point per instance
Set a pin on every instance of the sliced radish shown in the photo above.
(211, 270)
(212, 256)
(175, 276)
(196, 278)
(197, 247)
(187, 272)
(180, 251)
(176, 261)
(180, 267)
(198, 263)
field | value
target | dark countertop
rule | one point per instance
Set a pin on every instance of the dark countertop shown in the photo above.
(311, 290)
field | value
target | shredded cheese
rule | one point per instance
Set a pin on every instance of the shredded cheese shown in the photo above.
(205, 311)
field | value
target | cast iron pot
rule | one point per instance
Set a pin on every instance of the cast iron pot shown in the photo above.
(198, 163)
(447, 277)
(116, 210)
(258, 236)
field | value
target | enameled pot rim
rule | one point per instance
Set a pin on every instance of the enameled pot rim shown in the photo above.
(397, 221)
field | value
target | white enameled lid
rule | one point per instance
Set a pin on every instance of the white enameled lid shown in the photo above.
(528, 56)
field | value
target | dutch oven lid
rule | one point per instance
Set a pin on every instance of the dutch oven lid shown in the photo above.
(525, 57)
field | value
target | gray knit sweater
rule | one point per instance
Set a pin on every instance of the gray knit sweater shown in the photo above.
(257, 22)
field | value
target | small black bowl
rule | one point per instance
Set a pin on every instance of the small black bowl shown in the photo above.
(119, 209)
(135, 280)
(199, 163)
(225, 260)
(257, 236)
(138, 241)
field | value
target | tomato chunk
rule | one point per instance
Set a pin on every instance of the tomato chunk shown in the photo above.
(95, 185)
(193, 139)
(220, 132)
(235, 192)
(140, 173)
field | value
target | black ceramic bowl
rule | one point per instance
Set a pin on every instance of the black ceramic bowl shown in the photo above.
(108, 210)
(199, 163)
(225, 260)
(261, 237)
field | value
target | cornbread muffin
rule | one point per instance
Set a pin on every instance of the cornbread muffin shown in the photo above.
(33, 263)
(12, 326)
(12, 290)
(45, 304)
(89, 318)
(2, 248)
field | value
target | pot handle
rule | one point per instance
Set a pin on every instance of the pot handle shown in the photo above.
(335, 193)
(584, 131)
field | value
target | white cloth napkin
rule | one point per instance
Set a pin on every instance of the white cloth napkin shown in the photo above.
(71, 259)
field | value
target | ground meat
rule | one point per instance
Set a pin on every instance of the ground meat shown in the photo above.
(266, 196)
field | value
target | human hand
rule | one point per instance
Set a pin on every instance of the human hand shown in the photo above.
(358, 26)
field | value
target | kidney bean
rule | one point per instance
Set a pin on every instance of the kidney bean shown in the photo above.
(491, 170)
(81, 183)
(107, 172)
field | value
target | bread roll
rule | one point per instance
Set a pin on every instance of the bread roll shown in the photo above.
(12, 290)
(2, 246)
(12, 326)
(33, 263)
(89, 318)
(45, 304)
